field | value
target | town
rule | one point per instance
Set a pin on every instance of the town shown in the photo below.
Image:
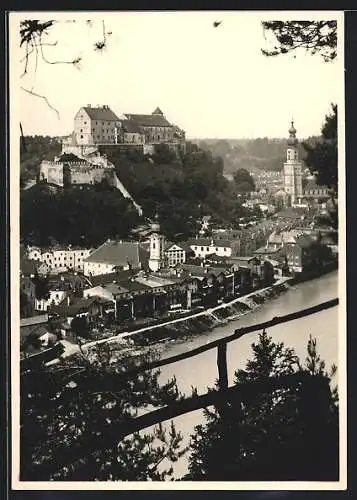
(178, 285)
(72, 294)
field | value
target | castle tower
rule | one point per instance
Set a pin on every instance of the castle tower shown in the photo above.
(292, 169)
(157, 247)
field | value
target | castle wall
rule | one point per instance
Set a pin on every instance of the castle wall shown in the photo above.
(51, 172)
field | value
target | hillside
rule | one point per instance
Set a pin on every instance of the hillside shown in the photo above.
(83, 217)
(250, 154)
(181, 190)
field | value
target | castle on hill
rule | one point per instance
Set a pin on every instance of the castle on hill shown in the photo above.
(96, 127)
(99, 125)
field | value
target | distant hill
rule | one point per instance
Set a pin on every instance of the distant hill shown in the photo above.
(250, 154)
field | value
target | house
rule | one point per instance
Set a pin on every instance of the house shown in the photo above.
(112, 255)
(269, 252)
(300, 253)
(60, 258)
(95, 125)
(90, 307)
(221, 247)
(34, 332)
(29, 324)
(174, 254)
(55, 297)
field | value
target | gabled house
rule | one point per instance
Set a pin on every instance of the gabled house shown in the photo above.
(116, 255)
(95, 125)
(175, 254)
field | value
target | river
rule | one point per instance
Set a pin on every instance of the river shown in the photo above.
(201, 371)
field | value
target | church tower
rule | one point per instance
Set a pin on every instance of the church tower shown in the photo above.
(157, 247)
(292, 169)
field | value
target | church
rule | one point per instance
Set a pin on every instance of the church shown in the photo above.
(298, 191)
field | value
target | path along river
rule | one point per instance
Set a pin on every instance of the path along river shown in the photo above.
(201, 371)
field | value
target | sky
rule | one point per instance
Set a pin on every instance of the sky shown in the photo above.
(212, 82)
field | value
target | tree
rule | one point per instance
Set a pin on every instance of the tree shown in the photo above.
(41, 287)
(243, 180)
(316, 37)
(79, 326)
(288, 433)
(26, 308)
(63, 408)
(321, 155)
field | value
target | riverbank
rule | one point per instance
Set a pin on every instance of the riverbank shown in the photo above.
(181, 329)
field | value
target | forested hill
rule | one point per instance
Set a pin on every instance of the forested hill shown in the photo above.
(250, 154)
(181, 190)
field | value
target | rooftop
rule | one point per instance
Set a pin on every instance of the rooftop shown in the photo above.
(103, 113)
(154, 120)
(120, 253)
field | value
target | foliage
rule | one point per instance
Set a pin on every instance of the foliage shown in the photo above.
(288, 433)
(181, 191)
(163, 154)
(65, 407)
(321, 157)
(41, 287)
(258, 154)
(244, 181)
(316, 37)
(26, 308)
(73, 216)
(79, 326)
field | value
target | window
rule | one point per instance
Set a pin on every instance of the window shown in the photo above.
(81, 130)
(85, 123)
(201, 249)
(81, 136)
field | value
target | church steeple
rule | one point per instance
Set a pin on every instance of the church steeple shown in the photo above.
(292, 141)
(292, 167)
(157, 246)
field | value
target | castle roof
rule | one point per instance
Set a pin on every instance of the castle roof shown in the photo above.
(103, 113)
(131, 127)
(154, 120)
(158, 112)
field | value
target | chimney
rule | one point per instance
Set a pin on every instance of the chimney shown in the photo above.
(89, 105)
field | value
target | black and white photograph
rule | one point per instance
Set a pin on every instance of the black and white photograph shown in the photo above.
(178, 303)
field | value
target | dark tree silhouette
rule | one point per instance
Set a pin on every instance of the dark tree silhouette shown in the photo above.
(321, 155)
(64, 407)
(290, 433)
(316, 37)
